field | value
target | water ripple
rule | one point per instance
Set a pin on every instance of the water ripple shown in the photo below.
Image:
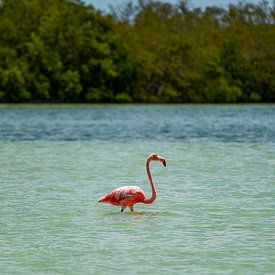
(224, 123)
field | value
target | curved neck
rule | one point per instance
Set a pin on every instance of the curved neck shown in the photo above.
(154, 194)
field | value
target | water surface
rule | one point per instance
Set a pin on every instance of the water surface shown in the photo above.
(215, 207)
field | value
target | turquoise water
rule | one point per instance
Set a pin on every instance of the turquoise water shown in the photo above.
(215, 206)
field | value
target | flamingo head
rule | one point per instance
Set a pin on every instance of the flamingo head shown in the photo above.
(156, 157)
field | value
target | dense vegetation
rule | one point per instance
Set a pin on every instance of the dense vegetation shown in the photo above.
(66, 51)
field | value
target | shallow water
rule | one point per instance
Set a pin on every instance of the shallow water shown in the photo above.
(215, 205)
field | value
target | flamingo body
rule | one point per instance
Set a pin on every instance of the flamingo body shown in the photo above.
(127, 196)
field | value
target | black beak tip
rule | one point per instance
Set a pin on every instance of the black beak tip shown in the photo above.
(164, 163)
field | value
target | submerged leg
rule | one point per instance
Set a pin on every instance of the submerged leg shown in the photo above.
(132, 208)
(122, 208)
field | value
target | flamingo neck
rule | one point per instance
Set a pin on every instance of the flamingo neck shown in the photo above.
(154, 194)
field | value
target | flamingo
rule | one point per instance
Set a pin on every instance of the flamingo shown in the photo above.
(130, 195)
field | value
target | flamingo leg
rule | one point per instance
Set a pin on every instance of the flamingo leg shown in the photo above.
(132, 208)
(122, 208)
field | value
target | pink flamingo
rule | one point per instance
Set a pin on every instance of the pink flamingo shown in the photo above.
(130, 195)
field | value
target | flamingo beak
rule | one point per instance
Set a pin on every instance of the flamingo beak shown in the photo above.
(164, 163)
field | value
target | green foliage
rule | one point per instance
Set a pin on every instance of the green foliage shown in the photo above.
(190, 55)
(123, 98)
(70, 86)
(62, 51)
(151, 51)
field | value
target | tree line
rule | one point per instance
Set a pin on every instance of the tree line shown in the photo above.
(143, 51)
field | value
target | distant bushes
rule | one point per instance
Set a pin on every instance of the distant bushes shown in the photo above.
(65, 51)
